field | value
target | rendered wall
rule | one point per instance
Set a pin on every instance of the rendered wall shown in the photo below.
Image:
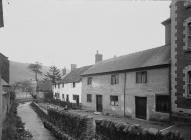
(158, 83)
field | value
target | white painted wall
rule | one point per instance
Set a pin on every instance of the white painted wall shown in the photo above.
(70, 90)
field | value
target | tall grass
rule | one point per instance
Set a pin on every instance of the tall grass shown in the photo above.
(13, 127)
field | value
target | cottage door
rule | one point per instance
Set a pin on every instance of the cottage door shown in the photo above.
(141, 107)
(99, 103)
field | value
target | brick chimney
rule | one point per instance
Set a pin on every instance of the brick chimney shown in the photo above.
(73, 67)
(98, 57)
(167, 24)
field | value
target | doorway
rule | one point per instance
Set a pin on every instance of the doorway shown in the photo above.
(99, 106)
(141, 107)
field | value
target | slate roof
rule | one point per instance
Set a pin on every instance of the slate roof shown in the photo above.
(151, 57)
(75, 75)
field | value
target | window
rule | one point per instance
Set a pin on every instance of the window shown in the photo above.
(62, 84)
(189, 35)
(89, 81)
(141, 77)
(163, 103)
(73, 84)
(55, 86)
(58, 85)
(63, 97)
(75, 97)
(89, 98)
(114, 100)
(114, 79)
(189, 84)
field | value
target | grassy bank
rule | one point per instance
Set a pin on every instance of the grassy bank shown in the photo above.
(13, 127)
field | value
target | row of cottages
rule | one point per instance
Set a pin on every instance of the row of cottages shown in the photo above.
(151, 84)
(5, 96)
(70, 88)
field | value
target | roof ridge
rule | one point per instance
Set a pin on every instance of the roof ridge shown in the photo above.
(144, 58)
(141, 51)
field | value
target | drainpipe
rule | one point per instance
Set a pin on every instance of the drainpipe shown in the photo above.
(124, 91)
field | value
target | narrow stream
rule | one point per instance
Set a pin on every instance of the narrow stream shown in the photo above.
(33, 123)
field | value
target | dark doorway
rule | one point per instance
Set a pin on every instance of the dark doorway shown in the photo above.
(67, 98)
(141, 107)
(99, 106)
(76, 98)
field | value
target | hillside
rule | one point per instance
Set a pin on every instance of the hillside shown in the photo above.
(19, 71)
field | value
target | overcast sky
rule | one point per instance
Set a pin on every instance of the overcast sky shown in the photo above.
(61, 32)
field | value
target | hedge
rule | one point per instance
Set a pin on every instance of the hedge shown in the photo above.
(64, 104)
(109, 130)
(77, 126)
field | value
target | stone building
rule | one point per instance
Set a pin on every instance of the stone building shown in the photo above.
(151, 84)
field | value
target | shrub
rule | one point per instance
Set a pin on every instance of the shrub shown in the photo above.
(109, 130)
(75, 125)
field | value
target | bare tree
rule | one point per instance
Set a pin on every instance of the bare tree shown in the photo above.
(36, 68)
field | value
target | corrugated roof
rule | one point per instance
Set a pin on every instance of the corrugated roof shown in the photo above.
(75, 75)
(146, 58)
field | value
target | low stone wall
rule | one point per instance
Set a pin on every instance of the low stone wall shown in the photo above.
(108, 130)
(57, 132)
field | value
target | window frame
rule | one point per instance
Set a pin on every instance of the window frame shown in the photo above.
(143, 79)
(158, 103)
(114, 79)
(113, 101)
